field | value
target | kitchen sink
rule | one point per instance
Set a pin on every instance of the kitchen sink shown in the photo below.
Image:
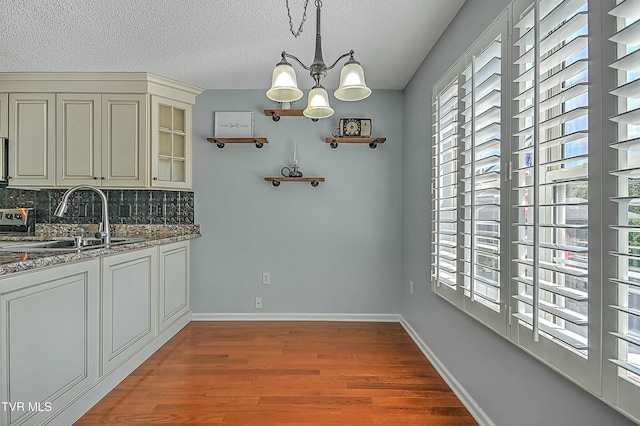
(68, 244)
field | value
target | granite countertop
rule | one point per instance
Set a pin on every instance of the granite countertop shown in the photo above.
(155, 235)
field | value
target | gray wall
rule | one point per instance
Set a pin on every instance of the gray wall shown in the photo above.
(509, 385)
(330, 249)
(352, 244)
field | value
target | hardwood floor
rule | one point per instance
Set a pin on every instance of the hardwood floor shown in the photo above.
(284, 373)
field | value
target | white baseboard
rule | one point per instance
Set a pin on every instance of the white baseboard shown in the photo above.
(470, 404)
(297, 317)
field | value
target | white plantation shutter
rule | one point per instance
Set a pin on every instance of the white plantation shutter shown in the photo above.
(481, 142)
(468, 251)
(536, 188)
(550, 179)
(445, 186)
(627, 145)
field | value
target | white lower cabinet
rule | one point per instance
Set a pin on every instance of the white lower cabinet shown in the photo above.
(49, 341)
(129, 305)
(70, 333)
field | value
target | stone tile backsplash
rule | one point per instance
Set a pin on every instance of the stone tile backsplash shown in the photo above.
(139, 207)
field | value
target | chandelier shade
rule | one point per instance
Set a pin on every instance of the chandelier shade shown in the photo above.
(284, 85)
(318, 104)
(352, 84)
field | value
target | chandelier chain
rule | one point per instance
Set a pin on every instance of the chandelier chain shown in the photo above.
(304, 18)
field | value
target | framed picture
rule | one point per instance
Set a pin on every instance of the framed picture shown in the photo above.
(233, 124)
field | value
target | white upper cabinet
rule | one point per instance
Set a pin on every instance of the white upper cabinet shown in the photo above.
(4, 115)
(99, 129)
(124, 141)
(101, 140)
(32, 139)
(78, 139)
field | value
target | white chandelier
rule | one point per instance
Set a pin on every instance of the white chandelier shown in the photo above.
(284, 85)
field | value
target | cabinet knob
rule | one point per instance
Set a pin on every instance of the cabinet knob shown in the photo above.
(103, 178)
(95, 177)
(155, 178)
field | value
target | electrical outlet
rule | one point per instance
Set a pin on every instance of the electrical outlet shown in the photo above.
(410, 287)
(266, 278)
(258, 302)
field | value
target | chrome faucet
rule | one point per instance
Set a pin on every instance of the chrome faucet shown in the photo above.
(104, 232)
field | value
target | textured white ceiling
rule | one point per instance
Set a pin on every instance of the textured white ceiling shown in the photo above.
(219, 44)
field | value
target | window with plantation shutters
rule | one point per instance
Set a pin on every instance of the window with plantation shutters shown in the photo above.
(550, 173)
(481, 142)
(627, 146)
(468, 248)
(536, 178)
(445, 186)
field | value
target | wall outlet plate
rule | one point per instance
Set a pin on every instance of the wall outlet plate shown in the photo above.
(258, 304)
(266, 278)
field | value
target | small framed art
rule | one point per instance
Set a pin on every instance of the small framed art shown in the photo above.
(233, 124)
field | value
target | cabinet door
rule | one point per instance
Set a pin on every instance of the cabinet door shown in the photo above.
(4, 115)
(124, 140)
(170, 143)
(129, 305)
(49, 344)
(78, 141)
(174, 283)
(32, 139)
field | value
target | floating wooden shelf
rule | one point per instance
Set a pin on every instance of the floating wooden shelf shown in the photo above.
(277, 113)
(221, 142)
(275, 181)
(373, 142)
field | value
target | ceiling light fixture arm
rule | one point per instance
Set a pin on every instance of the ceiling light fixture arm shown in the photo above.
(288, 55)
(351, 60)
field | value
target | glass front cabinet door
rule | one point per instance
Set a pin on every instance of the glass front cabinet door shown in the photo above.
(170, 143)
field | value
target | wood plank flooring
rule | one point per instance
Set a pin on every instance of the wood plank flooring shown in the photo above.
(283, 373)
